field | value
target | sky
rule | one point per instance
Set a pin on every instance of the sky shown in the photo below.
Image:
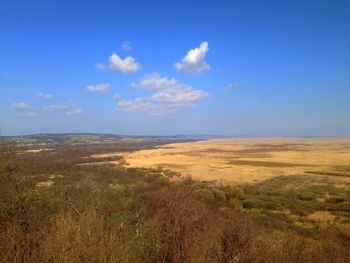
(234, 68)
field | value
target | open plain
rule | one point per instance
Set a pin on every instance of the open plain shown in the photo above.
(248, 160)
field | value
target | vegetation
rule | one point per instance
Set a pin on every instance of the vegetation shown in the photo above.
(52, 209)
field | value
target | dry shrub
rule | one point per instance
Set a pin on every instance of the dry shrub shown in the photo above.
(182, 227)
(84, 238)
(237, 237)
(333, 246)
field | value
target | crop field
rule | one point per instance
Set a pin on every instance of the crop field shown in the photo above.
(248, 160)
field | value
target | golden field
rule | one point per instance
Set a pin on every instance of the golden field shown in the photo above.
(248, 160)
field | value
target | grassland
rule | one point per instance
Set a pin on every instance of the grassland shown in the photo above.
(87, 204)
(248, 160)
(316, 171)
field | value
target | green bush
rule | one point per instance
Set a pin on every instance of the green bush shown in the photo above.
(162, 180)
(263, 201)
(234, 191)
(219, 195)
(154, 175)
(204, 195)
(306, 196)
(251, 202)
(234, 203)
(335, 200)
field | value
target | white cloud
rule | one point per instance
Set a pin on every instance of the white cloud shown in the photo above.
(137, 105)
(20, 106)
(170, 96)
(116, 63)
(98, 88)
(24, 109)
(69, 108)
(28, 114)
(125, 65)
(74, 111)
(45, 95)
(126, 46)
(59, 107)
(194, 60)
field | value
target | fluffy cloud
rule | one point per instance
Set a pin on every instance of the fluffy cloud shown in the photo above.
(20, 106)
(138, 105)
(169, 96)
(194, 60)
(45, 95)
(98, 88)
(116, 63)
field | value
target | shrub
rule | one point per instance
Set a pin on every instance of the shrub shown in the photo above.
(233, 191)
(162, 180)
(335, 200)
(253, 202)
(204, 195)
(219, 195)
(255, 212)
(235, 203)
(306, 196)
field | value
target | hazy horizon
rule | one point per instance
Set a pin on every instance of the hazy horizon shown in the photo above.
(179, 135)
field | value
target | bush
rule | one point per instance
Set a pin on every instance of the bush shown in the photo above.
(306, 196)
(234, 203)
(204, 195)
(162, 180)
(233, 191)
(255, 212)
(252, 202)
(335, 200)
(219, 195)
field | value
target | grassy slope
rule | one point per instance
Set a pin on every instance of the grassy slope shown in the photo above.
(53, 210)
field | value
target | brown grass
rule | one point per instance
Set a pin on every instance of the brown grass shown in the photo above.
(246, 160)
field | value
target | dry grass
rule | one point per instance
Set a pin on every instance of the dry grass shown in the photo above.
(246, 160)
(36, 150)
(322, 216)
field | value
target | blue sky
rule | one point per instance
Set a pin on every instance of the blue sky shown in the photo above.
(252, 68)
